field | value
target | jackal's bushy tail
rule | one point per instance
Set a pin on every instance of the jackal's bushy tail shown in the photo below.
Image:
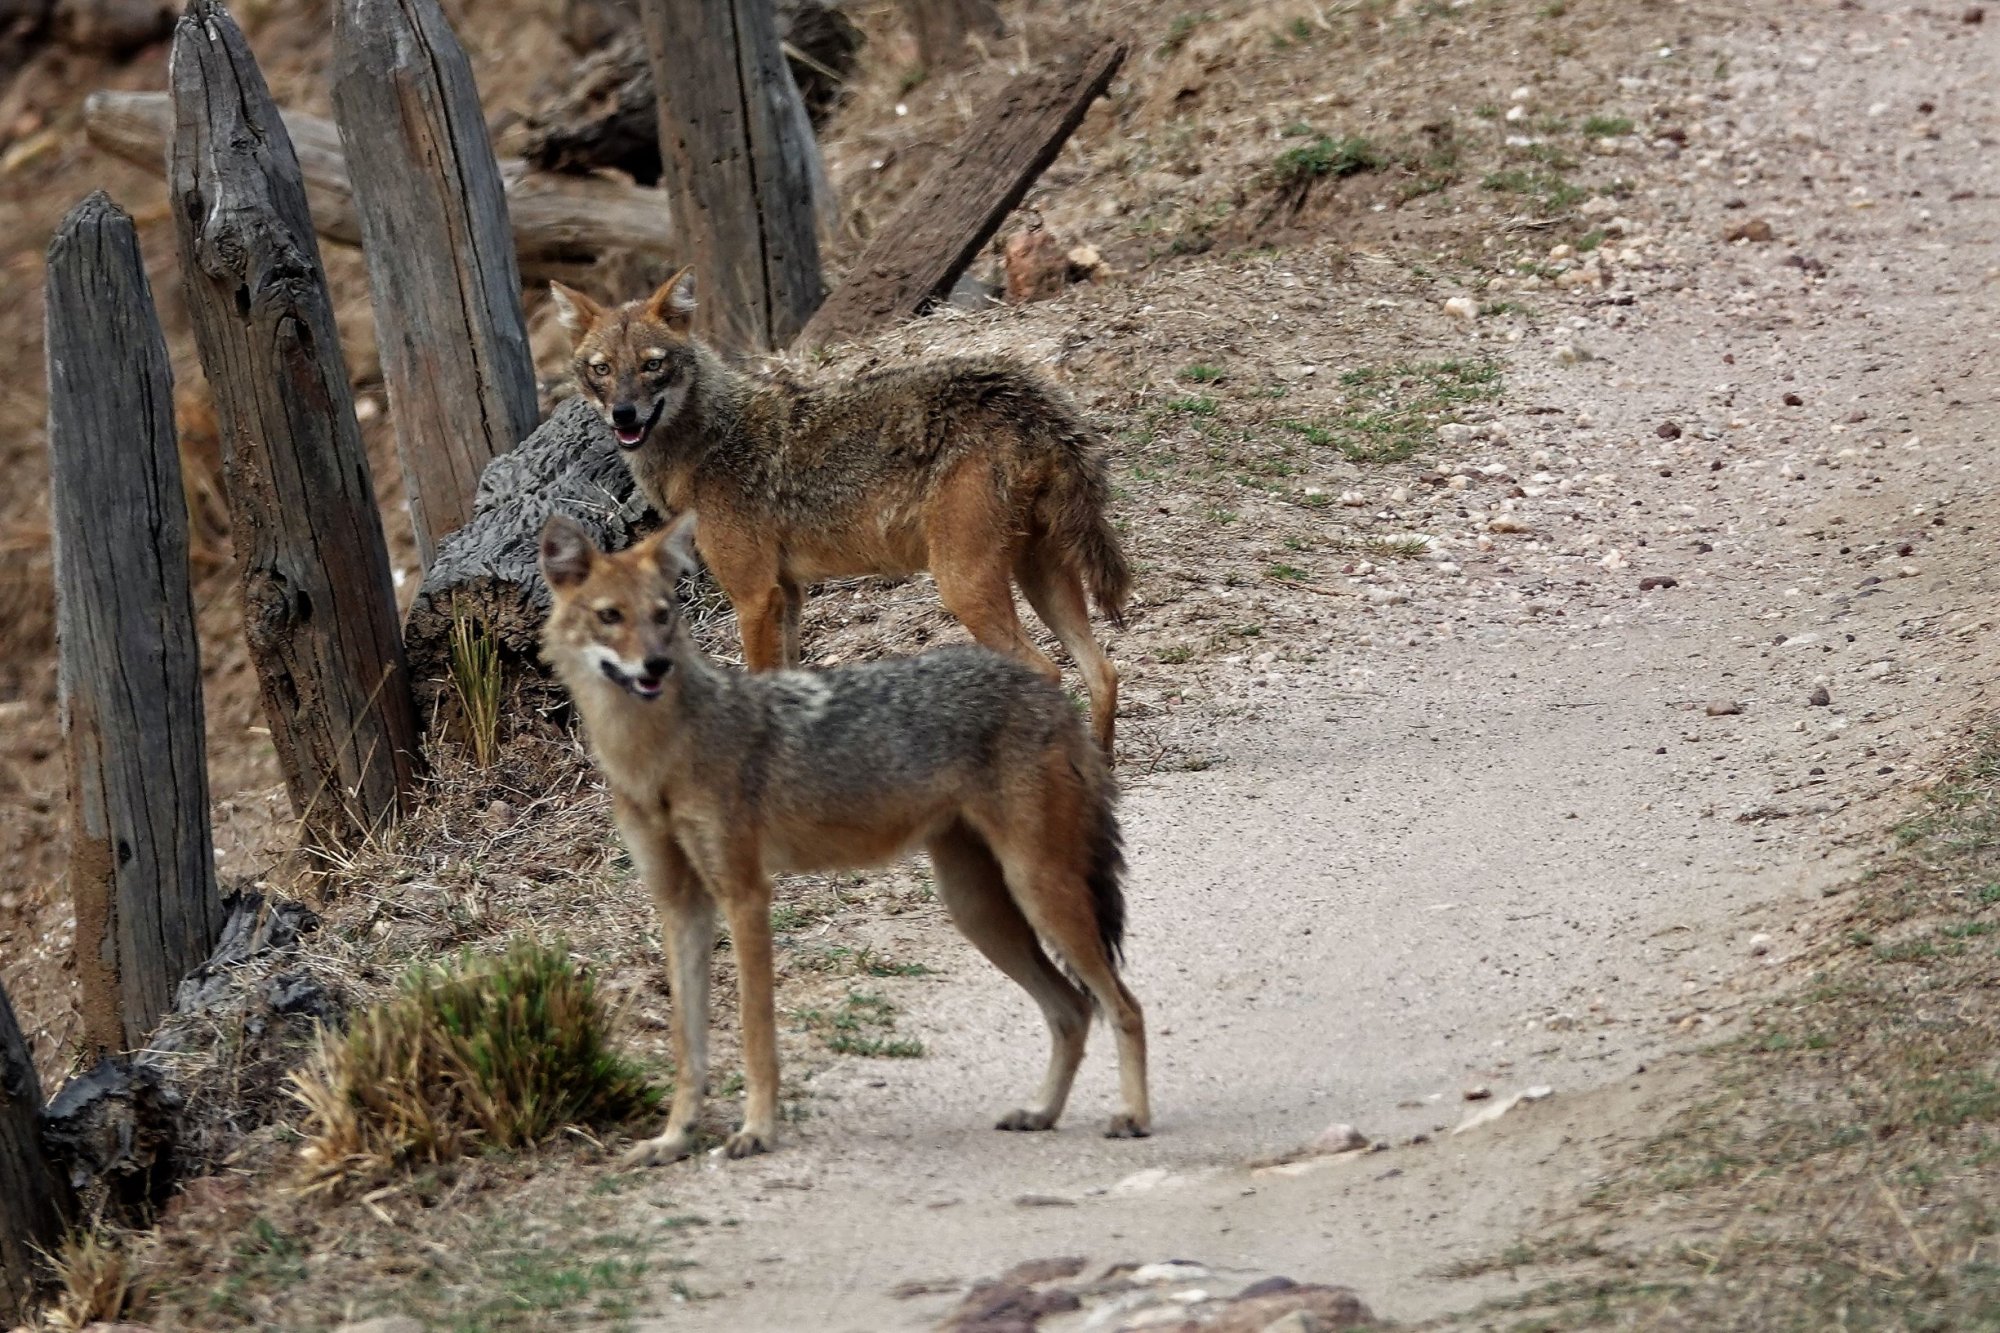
(1107, 873)
(1072, 513)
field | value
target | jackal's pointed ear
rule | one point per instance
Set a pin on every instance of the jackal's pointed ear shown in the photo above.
(673, 303)
(567, 552)
(578, 313)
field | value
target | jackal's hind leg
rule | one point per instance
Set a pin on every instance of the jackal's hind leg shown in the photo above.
(973, 891)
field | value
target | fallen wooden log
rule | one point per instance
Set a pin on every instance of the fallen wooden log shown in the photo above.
(919, 253)
(488, 568)
(557, 219)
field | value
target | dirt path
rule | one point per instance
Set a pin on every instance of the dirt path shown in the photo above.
(1487, 831)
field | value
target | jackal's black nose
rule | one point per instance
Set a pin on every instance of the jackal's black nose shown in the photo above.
(624, 416)
(656, 667)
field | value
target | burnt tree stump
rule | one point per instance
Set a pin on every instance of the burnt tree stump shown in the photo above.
(35, 1200)
(318, 607)
(440, 250)
(740, 164)
(571, 466)
(142, 860)
(919, 253)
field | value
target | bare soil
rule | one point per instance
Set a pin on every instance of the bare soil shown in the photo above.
(1470, 738)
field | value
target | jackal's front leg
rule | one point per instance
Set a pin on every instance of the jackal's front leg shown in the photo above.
(746, 900)
(687, 930)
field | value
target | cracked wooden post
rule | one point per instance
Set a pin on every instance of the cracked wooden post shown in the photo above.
(318, 607)
(35, 1200)
(142, 860)
(440, 250)
(738, 160)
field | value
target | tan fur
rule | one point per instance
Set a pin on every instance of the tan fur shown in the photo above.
(973, 468)
(719, 778)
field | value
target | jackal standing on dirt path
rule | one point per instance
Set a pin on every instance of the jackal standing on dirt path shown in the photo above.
(719, 778)
(973, 468)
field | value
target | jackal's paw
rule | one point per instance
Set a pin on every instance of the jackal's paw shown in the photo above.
(747, 1142)
(1026, 1120)
(668, 1147)
(1126, 1126)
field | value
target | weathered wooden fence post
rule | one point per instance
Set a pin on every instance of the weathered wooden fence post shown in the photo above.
(142, 862)
(737, 157)
(440, 252)
(941, 27)
(318, 606)
(34, 1196)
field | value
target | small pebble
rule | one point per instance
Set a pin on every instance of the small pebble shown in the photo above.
(1668, 430)
(1724, 708)
(1819, 698)
(1478, 1093)
(1760, 944)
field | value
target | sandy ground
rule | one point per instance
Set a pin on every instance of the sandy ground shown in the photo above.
(1489, 833)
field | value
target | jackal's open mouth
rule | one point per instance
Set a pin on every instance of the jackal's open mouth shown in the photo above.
(644, 686)
(636, 436)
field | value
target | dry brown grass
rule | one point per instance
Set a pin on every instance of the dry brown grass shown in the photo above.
(101, 1275)
(492, 1052)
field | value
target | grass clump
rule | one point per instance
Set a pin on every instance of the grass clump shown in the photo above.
(492, 1052)
(1548, 190)
(1608, 127)
(99, 1278)
(475, 677)
(1348, 155)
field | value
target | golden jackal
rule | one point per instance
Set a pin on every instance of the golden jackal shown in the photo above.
(972, 468)
(719, 778)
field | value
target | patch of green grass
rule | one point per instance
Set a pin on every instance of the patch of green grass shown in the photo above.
(1607, 127)
(1176, 654)
(1547, 189)
(1486, 111)
(1202, 374)
(863, 1024)
(1589, 241)
(1286, 573)
(1194, 406)
(1392, 411)
(1296, 169)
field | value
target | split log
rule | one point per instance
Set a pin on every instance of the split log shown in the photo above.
(441, 271)
(35, 1199)
(128, 663)
(570, 466)
(941, 28)
(318, 607)
(740, 163)
(919, 253)
(558, 220)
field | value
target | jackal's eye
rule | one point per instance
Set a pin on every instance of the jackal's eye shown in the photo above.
(600, 369)
(653, 365)
(662, 614)
(609, 615)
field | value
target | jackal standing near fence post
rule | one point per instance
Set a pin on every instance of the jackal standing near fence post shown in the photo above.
(974, 468)
(719, 778)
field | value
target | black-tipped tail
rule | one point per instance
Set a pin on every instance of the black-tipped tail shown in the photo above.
(1106, 879)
